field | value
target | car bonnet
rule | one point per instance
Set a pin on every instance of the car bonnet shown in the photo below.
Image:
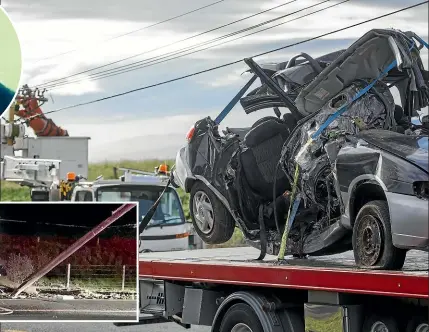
(412, 148)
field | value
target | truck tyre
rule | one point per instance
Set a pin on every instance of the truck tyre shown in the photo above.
(418, 324)
(372, 239)
(210, 218)
(240, 318)
(379, 323)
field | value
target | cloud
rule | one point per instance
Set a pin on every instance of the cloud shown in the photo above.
(85, 35)
(145, 138)
(135, 125)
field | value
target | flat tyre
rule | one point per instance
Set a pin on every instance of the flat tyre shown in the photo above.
(372, 239)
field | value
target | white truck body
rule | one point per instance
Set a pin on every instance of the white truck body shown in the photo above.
(39, 162)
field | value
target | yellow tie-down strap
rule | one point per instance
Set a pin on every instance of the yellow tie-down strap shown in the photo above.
(283, 243)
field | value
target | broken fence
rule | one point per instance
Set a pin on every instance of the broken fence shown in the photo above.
(99, 277)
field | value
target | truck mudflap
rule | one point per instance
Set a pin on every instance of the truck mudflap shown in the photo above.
(340, 318)
(338, 309)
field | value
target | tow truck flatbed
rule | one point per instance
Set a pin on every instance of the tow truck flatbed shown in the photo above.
(320, 283)
(330, 273)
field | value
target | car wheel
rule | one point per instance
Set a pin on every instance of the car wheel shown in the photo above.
(240, 318)
(418, 324)
(212, 221)
(372, 238)
(380, 324)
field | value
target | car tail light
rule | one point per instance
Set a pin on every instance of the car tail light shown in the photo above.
(190, 133)
(182, 235)
(421, 189)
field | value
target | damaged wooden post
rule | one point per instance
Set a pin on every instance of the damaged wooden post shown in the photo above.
(68, 276)
(118, 213)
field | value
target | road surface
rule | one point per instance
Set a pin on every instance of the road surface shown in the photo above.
(37, 309)
(95, 327)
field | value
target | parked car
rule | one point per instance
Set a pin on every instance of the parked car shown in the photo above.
(354, 158)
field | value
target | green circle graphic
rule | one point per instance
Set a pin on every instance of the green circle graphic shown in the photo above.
(10, 61)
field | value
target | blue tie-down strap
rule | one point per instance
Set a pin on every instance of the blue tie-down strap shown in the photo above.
(234, 100)
(6, 96)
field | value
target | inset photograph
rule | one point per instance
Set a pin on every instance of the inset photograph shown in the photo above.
(10, 61)
(68, 261)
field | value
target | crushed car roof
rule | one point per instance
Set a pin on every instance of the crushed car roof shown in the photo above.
(310, 83)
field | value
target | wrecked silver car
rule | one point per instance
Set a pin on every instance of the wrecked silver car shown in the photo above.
(345, 168)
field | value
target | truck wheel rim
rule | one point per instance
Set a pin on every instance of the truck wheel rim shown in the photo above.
(371, 239)
(424, 327)
(203, 212)
(379, 327)
(241, 327)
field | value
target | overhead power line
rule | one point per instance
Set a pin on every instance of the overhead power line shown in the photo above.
(237, 61)
(170, 44)
(144, 28)
(167, 20)
(187, 51)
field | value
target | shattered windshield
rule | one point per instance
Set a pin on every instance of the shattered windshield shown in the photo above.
(169, 211)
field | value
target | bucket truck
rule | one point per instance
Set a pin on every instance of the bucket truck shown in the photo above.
(40, 162)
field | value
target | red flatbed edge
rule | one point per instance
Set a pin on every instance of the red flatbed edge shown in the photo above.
(336, 273)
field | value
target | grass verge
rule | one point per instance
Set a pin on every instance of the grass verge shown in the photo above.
(91, 284)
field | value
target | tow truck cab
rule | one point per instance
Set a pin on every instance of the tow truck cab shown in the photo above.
(168, 229)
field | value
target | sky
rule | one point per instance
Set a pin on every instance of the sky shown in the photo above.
(10, 55)
(62, 38)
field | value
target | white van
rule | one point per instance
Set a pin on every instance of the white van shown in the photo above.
(167, 230)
